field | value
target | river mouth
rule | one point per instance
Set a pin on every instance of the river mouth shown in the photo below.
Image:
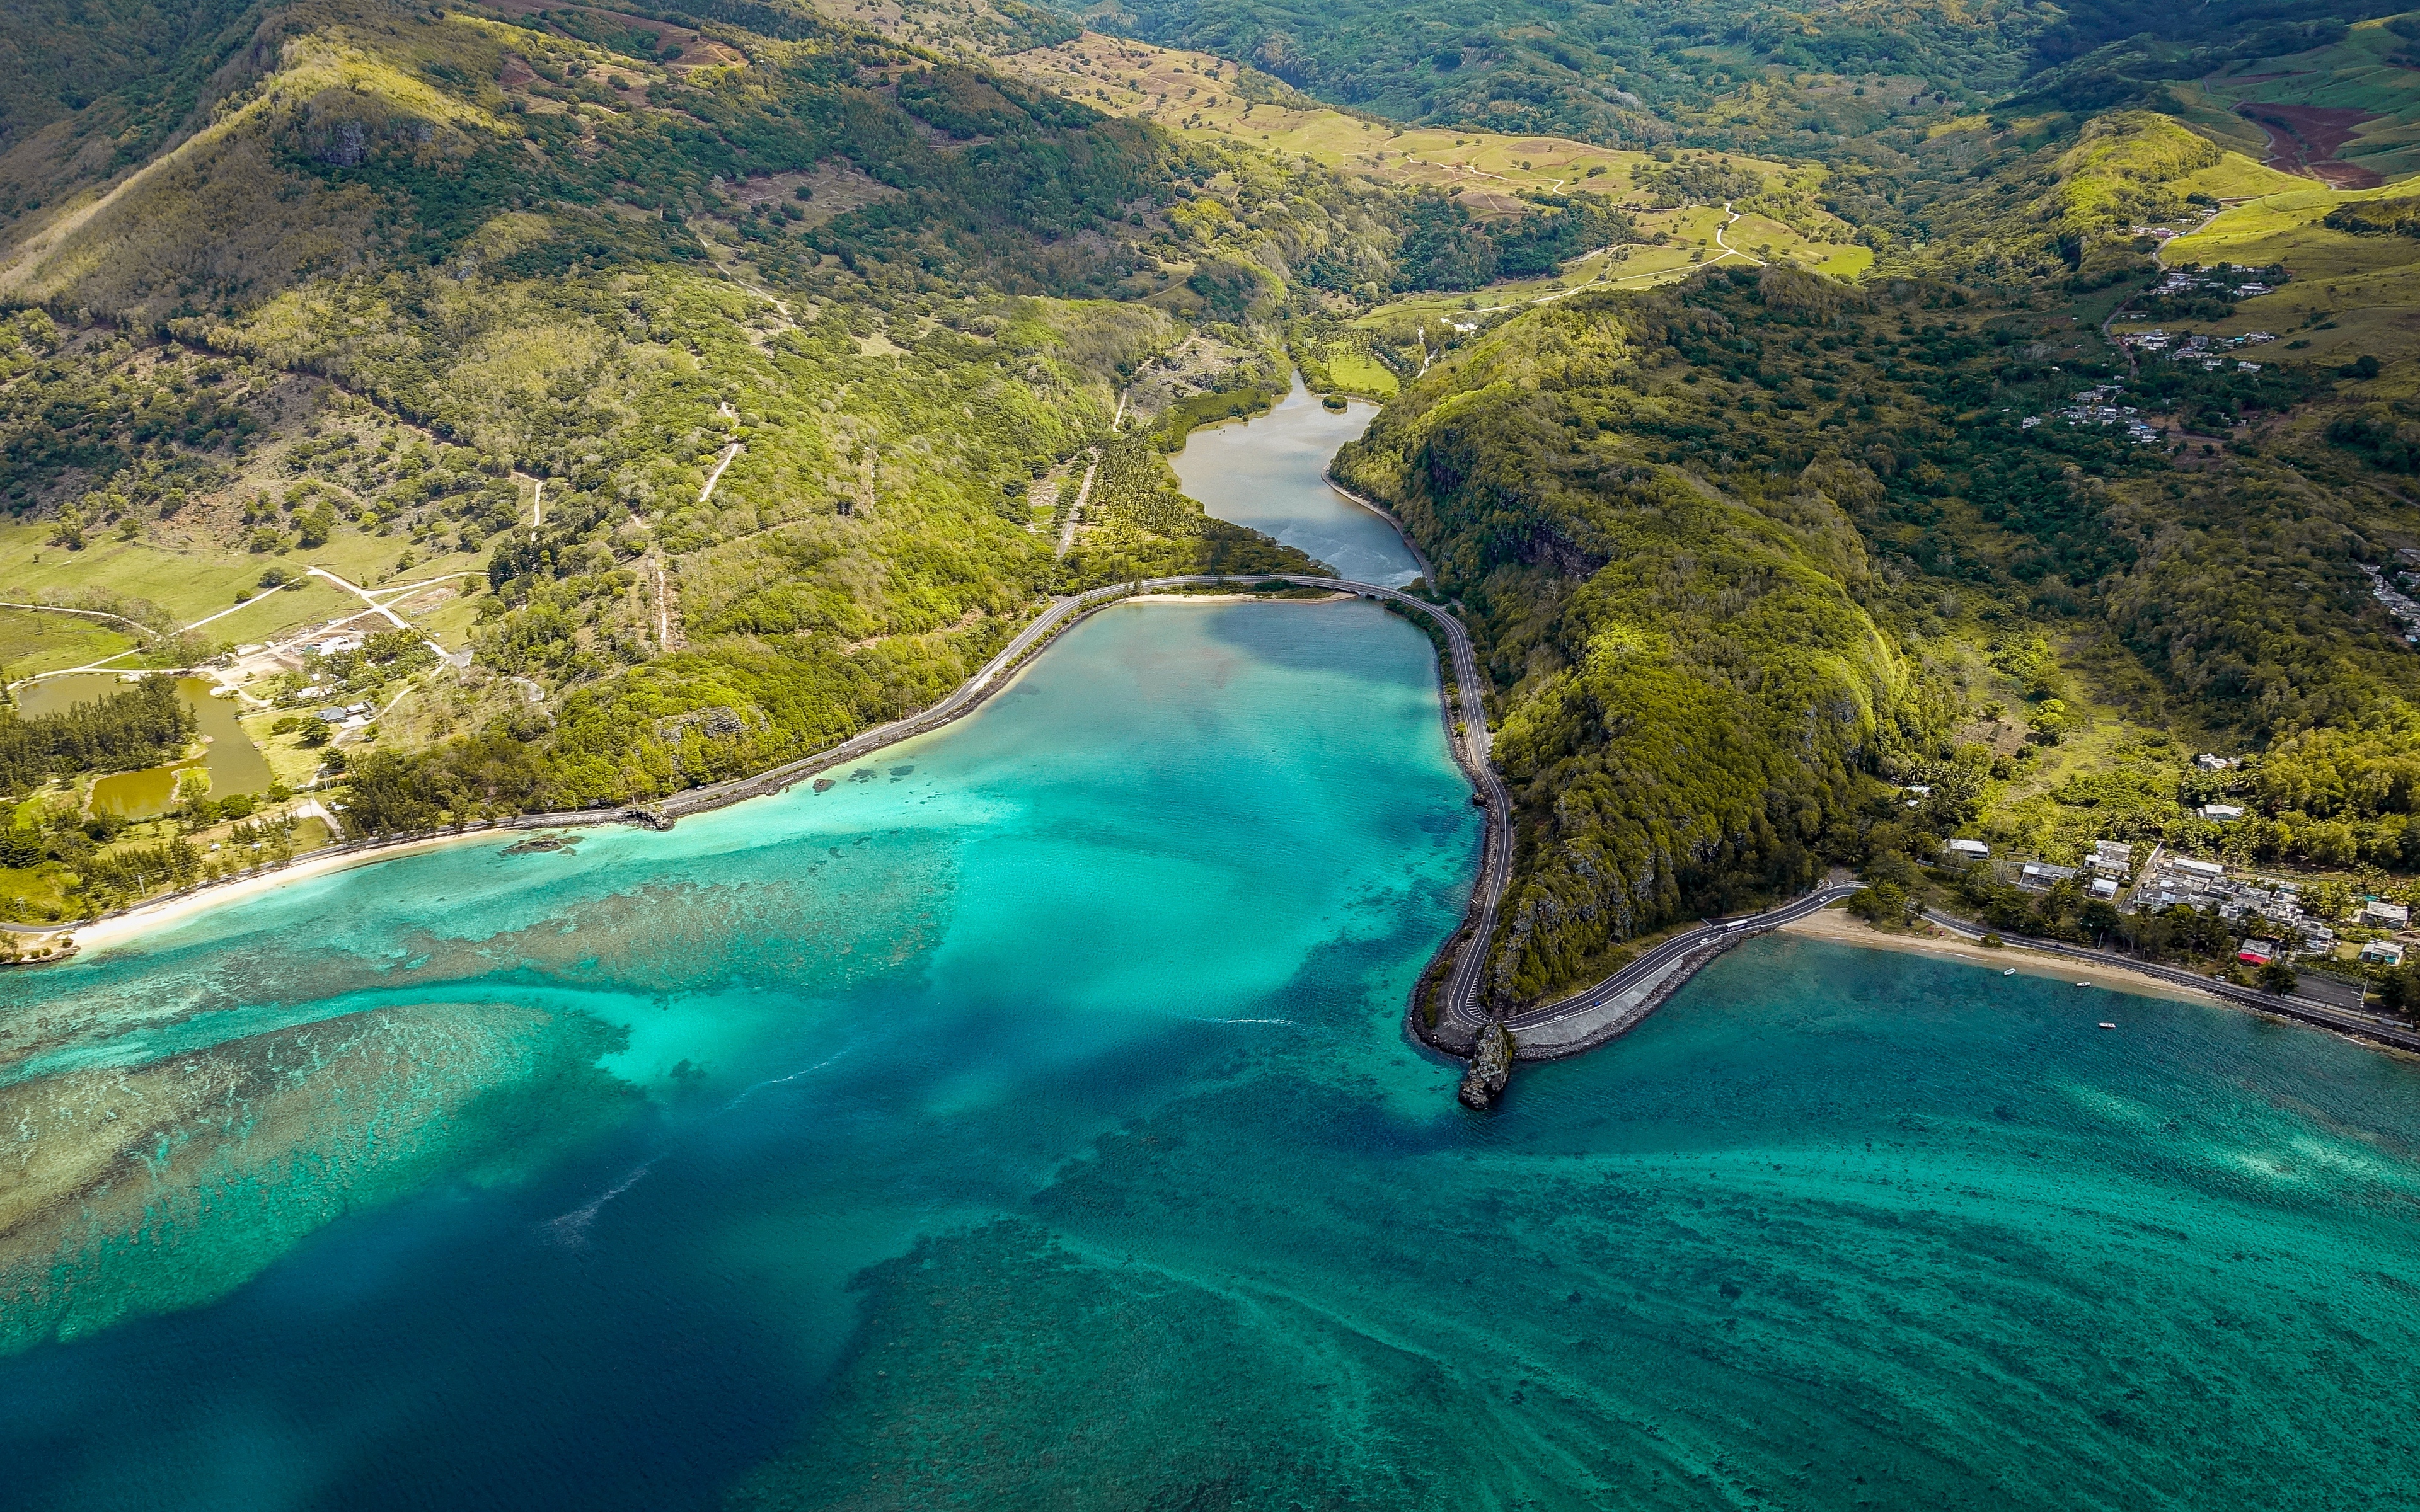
(1265, 472)
(1025, 1120)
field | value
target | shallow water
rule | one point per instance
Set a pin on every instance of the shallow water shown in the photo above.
(492, 1124)
(1026, 1121)
(1264, 473)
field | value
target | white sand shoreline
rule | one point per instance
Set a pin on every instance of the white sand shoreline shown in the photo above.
(118, 929)
(1930, 939)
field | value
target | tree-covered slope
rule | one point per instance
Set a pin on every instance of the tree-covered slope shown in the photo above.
(1690, 682)
(1745, 554)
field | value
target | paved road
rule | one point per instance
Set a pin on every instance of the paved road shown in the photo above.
(2364, 1025)
(1596, 998)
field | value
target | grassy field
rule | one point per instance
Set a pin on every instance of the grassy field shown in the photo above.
(1354, 373)
(1195, 94)
(2347, 295)
(32, 640)
(289, 761)
(2237, 176)
(192, 581)
(1692, 246)
(1769, 240)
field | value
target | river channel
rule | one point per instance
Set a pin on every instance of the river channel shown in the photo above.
(1265, 472)
(1026, 1121)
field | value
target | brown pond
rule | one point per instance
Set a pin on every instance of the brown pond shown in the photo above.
(234, 762)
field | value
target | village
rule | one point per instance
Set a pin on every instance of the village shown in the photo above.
(2093, 407)
(2210, 351)
(2325, 925)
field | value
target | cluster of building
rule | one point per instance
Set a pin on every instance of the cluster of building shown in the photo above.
(2096, 406)
(344, 717)
(2400, 603)
(2269, 910)
(2101, 875)
(2188, 280)
(2257, 905)
(2210, 351)
(2103, 872)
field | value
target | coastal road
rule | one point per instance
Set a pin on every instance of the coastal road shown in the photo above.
(1597, 999)
(2344, 1021)
(1470, 741)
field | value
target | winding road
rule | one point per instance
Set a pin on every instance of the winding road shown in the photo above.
(1730, 250)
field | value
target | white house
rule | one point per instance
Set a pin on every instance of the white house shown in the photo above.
(1969, 850)
(2222, 813)
(2385, 952)
(2379, 915)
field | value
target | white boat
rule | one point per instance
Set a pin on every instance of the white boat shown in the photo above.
(2010, 972)
(2107, 1026)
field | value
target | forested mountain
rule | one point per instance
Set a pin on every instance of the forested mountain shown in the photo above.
(1760, 385)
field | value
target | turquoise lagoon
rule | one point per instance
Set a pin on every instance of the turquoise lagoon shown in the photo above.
(1025, 1122)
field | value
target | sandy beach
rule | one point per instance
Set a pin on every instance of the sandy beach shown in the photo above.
(152, 917)
(1928, 939)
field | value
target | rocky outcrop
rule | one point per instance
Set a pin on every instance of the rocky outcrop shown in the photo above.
(1491, 1066)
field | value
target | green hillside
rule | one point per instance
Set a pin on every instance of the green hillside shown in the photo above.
(712, 377)
(687, 392)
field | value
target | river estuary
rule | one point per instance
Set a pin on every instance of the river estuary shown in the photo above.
(1027, 1121)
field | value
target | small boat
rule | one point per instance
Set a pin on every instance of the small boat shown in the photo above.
(2083, 984)
(2010, 972)
(2107, 1026)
